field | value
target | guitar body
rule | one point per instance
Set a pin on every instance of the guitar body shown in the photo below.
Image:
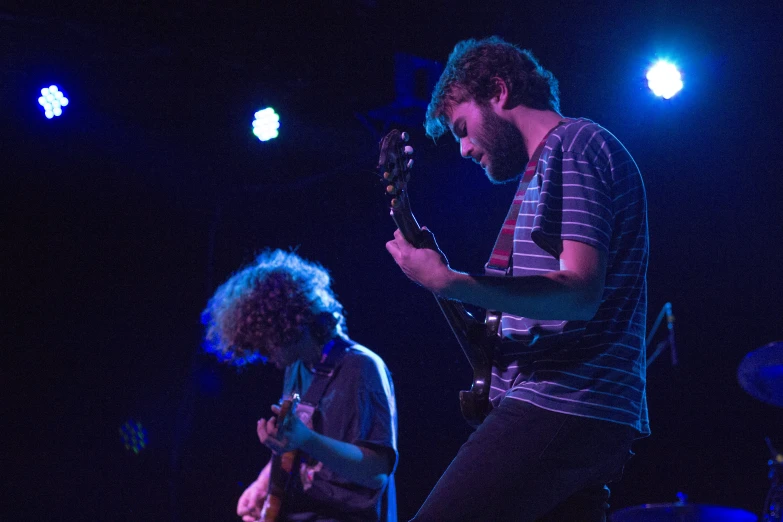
(476, 339)
(283, 467)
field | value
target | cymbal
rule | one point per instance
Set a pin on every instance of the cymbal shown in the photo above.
(681, 512)
(761, 374)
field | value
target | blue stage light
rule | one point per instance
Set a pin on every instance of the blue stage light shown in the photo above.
(134, 436)
(52, 100)
(664, 79)
(266, 124)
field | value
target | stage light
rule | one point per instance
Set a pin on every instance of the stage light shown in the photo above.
(664, 79)
(52, 100)
(266, 124)
(134, 436)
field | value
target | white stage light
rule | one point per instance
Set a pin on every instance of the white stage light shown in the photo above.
(664, 79)
(52, 100)
(265, 124)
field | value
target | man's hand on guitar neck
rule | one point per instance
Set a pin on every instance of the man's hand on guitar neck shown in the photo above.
(281, 441)
(425, 266)
(251, 501)
(572, 293)
(360, 465)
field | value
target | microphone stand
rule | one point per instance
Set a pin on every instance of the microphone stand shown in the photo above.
(666, 311)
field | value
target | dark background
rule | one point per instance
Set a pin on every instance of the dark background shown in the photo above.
(121, 217)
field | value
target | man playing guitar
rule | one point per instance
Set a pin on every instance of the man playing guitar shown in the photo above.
(567, 383)
(344, 447)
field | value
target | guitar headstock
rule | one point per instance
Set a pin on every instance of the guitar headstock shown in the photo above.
(287, 412)
(395, 164)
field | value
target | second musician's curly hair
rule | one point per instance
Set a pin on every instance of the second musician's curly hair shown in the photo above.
(470, 74)
(267, 305)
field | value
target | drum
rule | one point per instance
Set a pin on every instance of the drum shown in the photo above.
(682, 512)
(761, 374)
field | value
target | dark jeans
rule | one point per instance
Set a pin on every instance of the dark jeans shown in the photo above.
(528, 464)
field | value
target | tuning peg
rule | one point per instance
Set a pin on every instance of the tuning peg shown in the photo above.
(409, 164)
(387, 175)
(405, 136)
(395, 203)
(408, 150)
(391, 189)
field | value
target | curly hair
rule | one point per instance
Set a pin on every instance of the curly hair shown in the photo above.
(267, 305)
(470, 72)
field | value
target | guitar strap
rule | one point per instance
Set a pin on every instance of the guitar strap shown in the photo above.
(332, 354)
(500, 259)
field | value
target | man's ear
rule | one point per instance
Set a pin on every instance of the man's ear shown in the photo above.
(324, 326)
(502, 94)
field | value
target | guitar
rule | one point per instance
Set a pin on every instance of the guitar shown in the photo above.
(476, 339)
(282, 466)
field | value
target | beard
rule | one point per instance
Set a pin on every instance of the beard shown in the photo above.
(504, 145)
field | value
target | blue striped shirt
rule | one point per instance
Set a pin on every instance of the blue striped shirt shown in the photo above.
(586, 188)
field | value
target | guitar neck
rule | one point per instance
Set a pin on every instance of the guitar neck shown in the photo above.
(279, 477)
(463, 325)
(466, 329)
(282, 467)
(411, 231)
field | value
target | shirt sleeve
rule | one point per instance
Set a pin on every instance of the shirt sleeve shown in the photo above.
(575, 203)
(377, 420)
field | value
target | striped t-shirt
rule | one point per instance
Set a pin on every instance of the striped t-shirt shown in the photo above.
(586, 188)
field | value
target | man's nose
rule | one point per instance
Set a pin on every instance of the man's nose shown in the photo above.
(466, 148)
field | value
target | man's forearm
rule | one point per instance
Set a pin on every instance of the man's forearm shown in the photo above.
(559, 295)
(572, 293)
(266, 471)
(363, 466)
